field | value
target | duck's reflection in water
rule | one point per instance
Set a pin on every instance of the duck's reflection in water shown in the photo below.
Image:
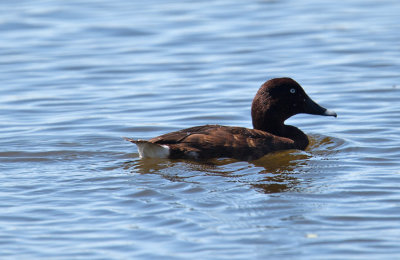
(274, 173)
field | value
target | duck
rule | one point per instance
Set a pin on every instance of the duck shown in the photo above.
(276, 100)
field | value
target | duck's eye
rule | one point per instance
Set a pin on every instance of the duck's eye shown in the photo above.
(292, 91)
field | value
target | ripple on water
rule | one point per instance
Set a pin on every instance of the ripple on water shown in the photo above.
(75, 80)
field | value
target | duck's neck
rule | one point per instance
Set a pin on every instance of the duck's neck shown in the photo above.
(278, 128)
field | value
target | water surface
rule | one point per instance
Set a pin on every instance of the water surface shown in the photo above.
(77, 76)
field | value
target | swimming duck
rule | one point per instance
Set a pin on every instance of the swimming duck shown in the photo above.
(276, 100)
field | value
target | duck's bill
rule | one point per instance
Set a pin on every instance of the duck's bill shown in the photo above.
(314, 109)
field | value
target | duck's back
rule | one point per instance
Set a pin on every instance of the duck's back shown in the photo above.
(212, 141)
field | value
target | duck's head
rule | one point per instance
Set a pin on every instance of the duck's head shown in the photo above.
(280, 98)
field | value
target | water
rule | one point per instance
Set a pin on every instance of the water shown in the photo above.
(77, 76)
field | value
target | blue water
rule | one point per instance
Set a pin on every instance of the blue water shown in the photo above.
(77, 76)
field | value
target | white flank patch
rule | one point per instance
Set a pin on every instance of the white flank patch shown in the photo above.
(150, 150)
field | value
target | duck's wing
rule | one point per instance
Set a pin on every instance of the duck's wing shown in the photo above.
(181, 135)
(212, 141)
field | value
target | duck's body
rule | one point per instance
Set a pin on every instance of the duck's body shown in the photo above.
(276, 100)
(212, 141)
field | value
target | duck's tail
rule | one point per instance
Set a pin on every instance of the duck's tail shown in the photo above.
(150, 150)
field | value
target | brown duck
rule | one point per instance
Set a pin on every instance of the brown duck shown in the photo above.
(276, 100)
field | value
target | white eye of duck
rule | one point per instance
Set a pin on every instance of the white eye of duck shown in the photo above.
(292, 91)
